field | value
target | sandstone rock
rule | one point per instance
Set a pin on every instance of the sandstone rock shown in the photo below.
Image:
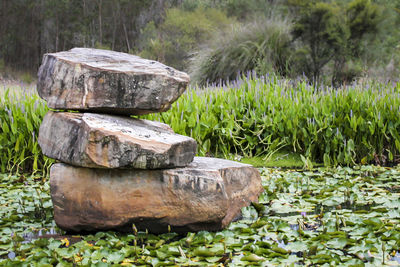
(206, 195)
(108, 82)
(107, 141)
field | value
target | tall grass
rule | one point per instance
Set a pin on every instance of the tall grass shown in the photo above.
(263, 45)
(21, 113)
(252, 116)
(257, 116)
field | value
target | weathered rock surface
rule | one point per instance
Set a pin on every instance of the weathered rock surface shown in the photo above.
(107, 141)
(206, 195)
(110, 82)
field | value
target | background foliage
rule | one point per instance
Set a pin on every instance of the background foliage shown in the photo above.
(331, 41)
(180, 34)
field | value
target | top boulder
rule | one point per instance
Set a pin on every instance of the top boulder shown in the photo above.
(87, 79)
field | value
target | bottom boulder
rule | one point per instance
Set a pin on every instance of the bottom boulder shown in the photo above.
(205, 195)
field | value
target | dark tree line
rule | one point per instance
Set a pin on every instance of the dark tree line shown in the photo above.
(331, 40)
(30, 28)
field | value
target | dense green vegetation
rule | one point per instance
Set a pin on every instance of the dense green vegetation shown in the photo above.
(258, 116)
(30, 28)
(21, 113)
(330, 41)
(180, 34)
(249, 117)
(334, 216)
(263, 45)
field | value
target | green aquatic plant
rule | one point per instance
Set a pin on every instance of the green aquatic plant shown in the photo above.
(250, 117)
(256, 116)
(343, 216)
(21, 113)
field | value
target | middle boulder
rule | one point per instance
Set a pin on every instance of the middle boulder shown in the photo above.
(107, 141)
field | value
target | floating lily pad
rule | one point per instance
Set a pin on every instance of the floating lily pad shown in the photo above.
(292, 225)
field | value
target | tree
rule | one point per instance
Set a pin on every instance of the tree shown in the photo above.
(30, 28)
(362, 18)
(334, 34)
(322, 35)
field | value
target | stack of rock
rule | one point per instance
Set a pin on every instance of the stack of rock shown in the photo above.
(117, 171)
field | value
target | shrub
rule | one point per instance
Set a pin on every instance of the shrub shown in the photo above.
(173, 41)
(263, 45)
(326, 41)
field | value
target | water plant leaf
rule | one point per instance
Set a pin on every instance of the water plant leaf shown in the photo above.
(115, 257)
(296, 246)
(252, 258)
(337, 243)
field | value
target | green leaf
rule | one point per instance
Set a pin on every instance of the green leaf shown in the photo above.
(203, 252)
(252, 258)
(297, 246)
(337, 243)
(115, 257)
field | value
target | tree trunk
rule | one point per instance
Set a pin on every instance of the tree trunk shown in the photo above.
(100, 2)
(115, 12)
(126, 37)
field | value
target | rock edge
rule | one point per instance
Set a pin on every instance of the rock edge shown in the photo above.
(107, 141)
(95, 80)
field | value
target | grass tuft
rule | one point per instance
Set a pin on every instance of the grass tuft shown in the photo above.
(262, 45)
